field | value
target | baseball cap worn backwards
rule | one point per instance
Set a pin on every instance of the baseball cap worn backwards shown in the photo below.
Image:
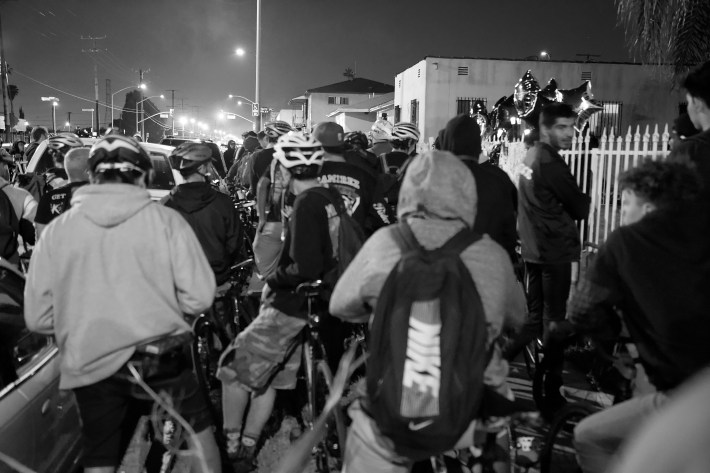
(329, 134)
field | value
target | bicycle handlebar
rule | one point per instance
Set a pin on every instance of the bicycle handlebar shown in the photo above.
(311, 288)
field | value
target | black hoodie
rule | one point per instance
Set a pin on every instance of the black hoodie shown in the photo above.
(497, 196)
(214, 220)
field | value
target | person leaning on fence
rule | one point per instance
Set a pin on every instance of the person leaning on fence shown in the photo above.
(549, 203)
(695, 150)
(652, 274)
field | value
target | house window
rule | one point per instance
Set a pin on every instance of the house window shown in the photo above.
(463, 70)
(465, 104)
(414, 107)
(609, 119)
(587, 75)
(397, 114)
(419, 72)
(338, 100)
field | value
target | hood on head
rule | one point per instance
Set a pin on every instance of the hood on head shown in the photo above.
(192, 196)
(108, 205)
(462, 136)
(250, 143)
(438, 184)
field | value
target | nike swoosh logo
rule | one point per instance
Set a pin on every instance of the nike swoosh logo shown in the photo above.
(420, 425)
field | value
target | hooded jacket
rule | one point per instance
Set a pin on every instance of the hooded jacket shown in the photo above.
(115, 271)
(214, 220)
(438, 198)
(550, 202)
(497, 205)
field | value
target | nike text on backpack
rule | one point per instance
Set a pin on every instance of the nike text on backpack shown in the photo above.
(9, 225)
(428, 350)
(349, 238)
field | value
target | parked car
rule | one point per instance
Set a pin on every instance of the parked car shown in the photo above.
(217, 156)
(39, 424)
(164, 178)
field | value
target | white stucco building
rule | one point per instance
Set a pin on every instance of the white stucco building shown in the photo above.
(437, 88)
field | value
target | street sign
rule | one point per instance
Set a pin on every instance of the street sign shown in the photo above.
(87, 109)
(265, 110)
(164, 115)
(231, 116)
(255, 109)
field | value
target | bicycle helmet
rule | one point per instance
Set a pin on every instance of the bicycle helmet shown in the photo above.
(276, 129)
(300, 154)
(356, 140)
(61, 144)
(120, 153)
(405, 131)
(381, 130)
(189, 156)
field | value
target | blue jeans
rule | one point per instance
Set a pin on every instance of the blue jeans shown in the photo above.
(598, 438)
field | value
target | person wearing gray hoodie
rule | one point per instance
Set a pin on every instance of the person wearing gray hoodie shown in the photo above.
(115, 273)
(438, 198)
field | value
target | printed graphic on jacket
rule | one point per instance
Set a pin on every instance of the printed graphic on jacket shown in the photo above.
(349, 188)
(421, 379)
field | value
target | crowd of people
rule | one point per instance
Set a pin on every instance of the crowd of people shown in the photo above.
(115, 278)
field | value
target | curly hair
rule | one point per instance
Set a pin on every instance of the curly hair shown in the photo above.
(662, 183)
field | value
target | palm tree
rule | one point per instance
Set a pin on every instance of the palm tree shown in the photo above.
(349, 73)
(672, 32)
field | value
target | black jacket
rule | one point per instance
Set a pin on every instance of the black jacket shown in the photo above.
(549, 203)
(695, 151)
(656, 274)
(214, 220)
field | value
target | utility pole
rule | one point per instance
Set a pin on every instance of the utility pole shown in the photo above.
(3, 70)
(257, 119)
(142, 109)
(172, 107)
(108, 100)
(94, 50)
(69, 120)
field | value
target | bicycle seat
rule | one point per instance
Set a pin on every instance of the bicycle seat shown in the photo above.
(311, 288)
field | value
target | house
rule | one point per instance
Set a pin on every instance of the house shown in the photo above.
(321, 101)
(436, 89)
(360, 116)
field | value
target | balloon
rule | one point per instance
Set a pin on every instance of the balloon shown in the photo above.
(479, 112)
(573, 97)
(533, 117)
(526, 94)
(550, 90)
(586, 110)
(503, 111)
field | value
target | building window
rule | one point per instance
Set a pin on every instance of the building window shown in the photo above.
(587, 75)
(463, 70)
(400, 83)
(419, 72)
(414, 107)
(465, 104)
(609, 119)
(338, 101)
(397, 113)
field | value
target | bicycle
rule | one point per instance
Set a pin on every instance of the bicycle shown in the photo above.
(319, 380)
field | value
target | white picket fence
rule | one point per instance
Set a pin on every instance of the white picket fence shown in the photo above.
(597, 170)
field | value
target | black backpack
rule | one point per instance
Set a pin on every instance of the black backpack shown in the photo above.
(9, 225)
(428, 348)
(348, 241)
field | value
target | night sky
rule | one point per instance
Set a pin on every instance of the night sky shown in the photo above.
(189, 45)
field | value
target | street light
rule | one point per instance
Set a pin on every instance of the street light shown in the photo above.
(239, 52)
(140, 86)
(142, 122)
(545, 54)
(239, 102)
(55, 104)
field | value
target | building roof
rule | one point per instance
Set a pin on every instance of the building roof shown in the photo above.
(359, 85)
(528, 59)
(370, 105)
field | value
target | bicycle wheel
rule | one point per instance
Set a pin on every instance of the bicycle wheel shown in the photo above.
(328, 452)
(558, 454)
(205, 359)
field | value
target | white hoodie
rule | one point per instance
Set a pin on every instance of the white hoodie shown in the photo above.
(114, 271)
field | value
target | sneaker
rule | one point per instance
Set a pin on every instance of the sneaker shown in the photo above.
(233, 443)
